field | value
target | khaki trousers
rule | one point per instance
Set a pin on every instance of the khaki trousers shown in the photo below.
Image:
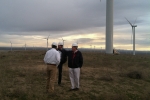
(51, 77)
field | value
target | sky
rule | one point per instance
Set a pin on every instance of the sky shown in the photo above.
(84, 21)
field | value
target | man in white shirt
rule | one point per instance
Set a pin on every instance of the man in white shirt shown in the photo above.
(52, 59)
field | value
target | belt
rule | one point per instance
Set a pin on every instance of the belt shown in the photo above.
(51, 64)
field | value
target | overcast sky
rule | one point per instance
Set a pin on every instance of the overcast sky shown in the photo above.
(30, 21)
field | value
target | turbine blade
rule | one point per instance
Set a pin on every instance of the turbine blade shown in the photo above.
(128, 21)
(135, 21)
(48, 36)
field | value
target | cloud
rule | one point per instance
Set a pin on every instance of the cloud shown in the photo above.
(64, 18)
(58, 15)
(37, 15)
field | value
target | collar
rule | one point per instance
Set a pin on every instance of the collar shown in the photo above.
(75, 51)
(53, 48)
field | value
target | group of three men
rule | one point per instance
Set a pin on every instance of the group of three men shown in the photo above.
(55, 58)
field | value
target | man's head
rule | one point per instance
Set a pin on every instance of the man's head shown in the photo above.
(74, 46)
(60, 45)
(54, 45)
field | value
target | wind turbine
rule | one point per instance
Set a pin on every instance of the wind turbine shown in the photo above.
(11, 45)
(47, 41)
(91, 46)
(25, 46)
(133, 32)
(63, 42)
(94, 48)
(33, 47)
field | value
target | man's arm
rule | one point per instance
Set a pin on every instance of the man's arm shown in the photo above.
(57, 58)
(65, 56)
(45, 58)
(81, 59)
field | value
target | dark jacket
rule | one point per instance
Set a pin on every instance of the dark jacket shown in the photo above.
(75, 60)
(63, 56)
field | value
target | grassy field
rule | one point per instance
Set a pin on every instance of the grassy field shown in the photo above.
(103, 77)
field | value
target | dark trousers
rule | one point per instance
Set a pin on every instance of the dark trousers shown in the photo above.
(59, 73)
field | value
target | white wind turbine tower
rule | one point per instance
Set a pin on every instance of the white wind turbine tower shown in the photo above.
(133, 32)
(47, 41)
(91, 46)
(25, 46)
(11, 45)
(94, 48)
(109, 26)
(63, 42)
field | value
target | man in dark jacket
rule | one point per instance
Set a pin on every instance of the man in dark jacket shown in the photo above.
(75, 61)
(63, 59)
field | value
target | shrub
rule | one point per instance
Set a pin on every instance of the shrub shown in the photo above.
(135, 75)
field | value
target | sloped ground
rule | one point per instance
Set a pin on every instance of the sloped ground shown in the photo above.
(103, 77)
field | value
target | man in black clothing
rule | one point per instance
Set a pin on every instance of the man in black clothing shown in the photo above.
(75, 61)
(63, 59)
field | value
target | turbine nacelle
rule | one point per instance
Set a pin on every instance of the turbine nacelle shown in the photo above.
(134, 25)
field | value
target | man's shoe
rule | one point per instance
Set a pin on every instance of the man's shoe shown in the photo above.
(60, 85)
(71, 89)
(76, 89)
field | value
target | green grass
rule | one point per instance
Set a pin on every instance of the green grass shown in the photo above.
(103, 77)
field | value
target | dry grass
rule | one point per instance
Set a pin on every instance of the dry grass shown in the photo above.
(103, 77)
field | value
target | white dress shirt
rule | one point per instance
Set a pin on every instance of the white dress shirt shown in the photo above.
(52, 56)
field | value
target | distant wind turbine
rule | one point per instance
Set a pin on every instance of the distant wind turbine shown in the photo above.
(133, 32)
(94, 47)
(91, 46)
(47, 41)
(63, 42)
(33, 47)
(11, 45)
(25, 46)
